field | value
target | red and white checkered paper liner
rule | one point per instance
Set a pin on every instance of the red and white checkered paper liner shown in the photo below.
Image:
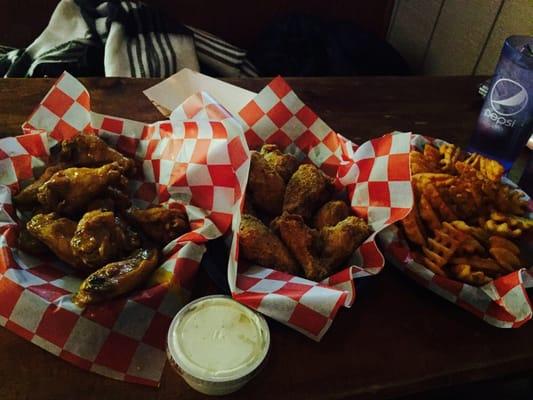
(376, 176)
(502, 302)
(191, 164)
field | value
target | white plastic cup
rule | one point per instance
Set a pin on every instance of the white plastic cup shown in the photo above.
(217, 344)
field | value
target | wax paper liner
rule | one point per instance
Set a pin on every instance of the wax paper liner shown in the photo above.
(502, 302)
(376, 176)
(193, 164)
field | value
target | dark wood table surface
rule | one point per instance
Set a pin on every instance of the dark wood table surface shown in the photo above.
(397, 339)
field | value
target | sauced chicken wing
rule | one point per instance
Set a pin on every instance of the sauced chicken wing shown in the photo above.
(266, 187)
(331, 213)
(112, 198)
(159, 223)
(304, 243)
(91, 151)
(102, 237)
(117, 278)
(340, 241)
(30, 244)
(70, 190)
(258, 244)
(284, 164)
(307, 190)
(26, 199)
(56, 233)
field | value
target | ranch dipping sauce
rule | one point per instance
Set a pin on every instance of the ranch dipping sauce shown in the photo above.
(217, 344)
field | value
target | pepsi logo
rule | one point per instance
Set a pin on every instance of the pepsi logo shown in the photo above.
(508, 97)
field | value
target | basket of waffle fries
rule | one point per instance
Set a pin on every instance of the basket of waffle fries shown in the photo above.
(468, 234)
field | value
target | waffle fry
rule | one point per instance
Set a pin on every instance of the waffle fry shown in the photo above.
(434, 198)
(500, 228)
(438, 179)
(492, 169)
(512, 220)
(472, 217)
(464, 273)
(470, 245)
(428, 214)
(479, 233)
(450, 155)
(504, 252)
(487, 264)
(413, 228)
(432, 155)
(440, 250)
(419, 163)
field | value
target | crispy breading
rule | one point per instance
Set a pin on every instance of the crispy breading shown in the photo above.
(307, 190)
(331, 213)
(284, 164)
(304, 244)
(341, 240)
(259, 245)
(265, 186)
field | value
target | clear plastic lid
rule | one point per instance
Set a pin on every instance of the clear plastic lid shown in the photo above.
(217, 339)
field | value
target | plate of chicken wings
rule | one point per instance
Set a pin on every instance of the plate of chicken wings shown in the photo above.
(79, 210)
(294, 219)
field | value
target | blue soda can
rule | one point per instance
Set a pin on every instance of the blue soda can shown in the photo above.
(505, 123)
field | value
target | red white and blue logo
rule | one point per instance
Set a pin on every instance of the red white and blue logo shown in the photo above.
(508, 97)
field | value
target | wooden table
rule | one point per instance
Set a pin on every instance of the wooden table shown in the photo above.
(397, 339)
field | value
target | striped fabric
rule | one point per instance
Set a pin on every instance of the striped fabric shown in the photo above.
(121, 38)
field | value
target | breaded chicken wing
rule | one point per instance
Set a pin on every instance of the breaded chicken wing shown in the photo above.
(340, 241)
(91, 151)
(304, 244)
(265, 186)
(259, 245)
(70, 190)
(159, 223)
(102, 237)
(331, 213)
(284, 164)
(56, 233)
(307, 190)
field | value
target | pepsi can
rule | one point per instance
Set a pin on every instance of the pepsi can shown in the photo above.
(505, 123)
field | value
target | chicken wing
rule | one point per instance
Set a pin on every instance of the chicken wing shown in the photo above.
(70, 190)
(91, 151)
(26, 199)
(30, 244)
(102, 237)
(304, 244)
(265, 186)
(258, 244)
(56, 233)
(284, 164)
(331, 213)
(340, 241)
(159, 223)
(112, 198)
(117, 278)
(307, 190)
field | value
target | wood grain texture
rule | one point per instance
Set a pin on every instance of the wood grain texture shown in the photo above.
(398, 338)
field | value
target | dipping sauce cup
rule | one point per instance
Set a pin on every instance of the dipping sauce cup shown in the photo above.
(217, 345)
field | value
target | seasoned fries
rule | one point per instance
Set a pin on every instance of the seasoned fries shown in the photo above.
(466, 223)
